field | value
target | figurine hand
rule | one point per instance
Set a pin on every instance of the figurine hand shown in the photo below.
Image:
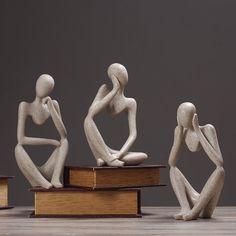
(195, 123)
(46, 99)
(104, 90)
(178, 122)
(179, 132)
(115, 82)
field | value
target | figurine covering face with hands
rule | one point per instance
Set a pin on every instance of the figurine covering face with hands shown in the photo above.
(42, 108)
(188, 131)
(115, 102)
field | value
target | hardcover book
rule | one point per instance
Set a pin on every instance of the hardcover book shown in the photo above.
(4, 191)
(112, 177)
(76, 202)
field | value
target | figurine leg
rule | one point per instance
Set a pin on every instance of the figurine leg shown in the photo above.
(29, 169)
(211, 189)
(48, 167)
(210, 207)
(98, 146)
(131, 158)
(184, 192)
(59, 164)
(134, 158)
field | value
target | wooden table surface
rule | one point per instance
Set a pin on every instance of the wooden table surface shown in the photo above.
(156, 221)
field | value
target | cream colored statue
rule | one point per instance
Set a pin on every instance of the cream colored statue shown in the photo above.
(42, 108)
(115, 102)
(188, 131)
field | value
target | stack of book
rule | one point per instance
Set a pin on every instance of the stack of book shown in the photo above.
(97, 192)
(4, 192)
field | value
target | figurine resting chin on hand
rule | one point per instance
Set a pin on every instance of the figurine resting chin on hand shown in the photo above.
(40, 110)
(114, 102)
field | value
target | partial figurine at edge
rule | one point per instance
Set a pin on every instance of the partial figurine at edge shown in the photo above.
(42, 108)
(115, 102)
(196, 137)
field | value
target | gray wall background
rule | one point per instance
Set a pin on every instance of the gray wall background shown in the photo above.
(174, 51)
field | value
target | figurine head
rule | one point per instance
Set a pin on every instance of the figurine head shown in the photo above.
(44, 85)
(185, 114)
(119, 72)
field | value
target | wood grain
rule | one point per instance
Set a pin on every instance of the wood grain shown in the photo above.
(82, 177)
(72, 202)
(110, 177)
(128, 177)
(3, 192)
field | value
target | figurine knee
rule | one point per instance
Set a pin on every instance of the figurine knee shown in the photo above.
(64, 146)
(19, 154)
(221, 171)
(177, 179)
(144, 156)
(65, 143)
(175, 173)
(134, 158)
(220, 177)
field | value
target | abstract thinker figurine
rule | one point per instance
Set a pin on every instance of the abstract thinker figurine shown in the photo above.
(114, 102)
(41, 109)
(188, 131)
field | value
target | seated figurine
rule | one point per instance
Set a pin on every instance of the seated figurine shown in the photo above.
(42, 108)
(188, 131)
(115, 102)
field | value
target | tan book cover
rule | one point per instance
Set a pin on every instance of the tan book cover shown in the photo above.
(4, 191)
(75, 202)
(112, 177)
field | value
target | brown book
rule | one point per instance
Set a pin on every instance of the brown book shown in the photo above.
(112, 177)
(76, 202)
(4, 191)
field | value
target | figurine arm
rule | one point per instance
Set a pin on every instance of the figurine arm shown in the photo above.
(57, 107)
(132, 110)
(22, 115)
(55, 104)
(39, 141)
(21, 138)
(209, 142)
(99, 105)
(102, 92)
(175, 150)
(54, 109)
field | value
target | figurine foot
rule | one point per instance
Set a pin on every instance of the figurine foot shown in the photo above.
(189, 216)
(57, 184)
(179, 216)
(100, 162)
(116, 163)
(46, 185)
